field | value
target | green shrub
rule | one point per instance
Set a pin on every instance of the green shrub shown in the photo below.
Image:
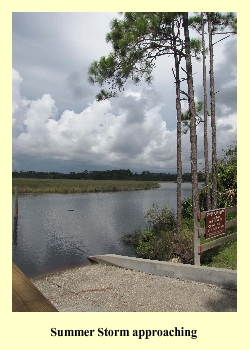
(161, 241)
(187, 208)
(154, 246)
(183, 246)
(161, 220)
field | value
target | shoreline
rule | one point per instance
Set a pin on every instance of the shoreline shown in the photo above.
(67, 186)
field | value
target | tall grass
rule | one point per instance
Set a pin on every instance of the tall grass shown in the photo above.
(78, 186)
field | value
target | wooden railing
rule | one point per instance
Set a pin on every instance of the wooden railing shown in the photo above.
(213, 241)
(25, 296)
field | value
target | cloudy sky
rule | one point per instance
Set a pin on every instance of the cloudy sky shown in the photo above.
(58, 125)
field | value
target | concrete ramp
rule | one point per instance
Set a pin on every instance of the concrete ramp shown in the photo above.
(217, 276)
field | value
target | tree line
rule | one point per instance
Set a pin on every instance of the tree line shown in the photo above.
(120, 174)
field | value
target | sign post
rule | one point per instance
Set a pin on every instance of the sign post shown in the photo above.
(215, 225)
(196, 240)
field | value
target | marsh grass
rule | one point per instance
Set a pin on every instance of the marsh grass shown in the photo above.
(26, 185)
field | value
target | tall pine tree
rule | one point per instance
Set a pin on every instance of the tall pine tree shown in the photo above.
(137, 41)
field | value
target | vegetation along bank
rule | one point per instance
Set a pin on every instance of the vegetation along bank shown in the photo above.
(29, 185)
(160, 240)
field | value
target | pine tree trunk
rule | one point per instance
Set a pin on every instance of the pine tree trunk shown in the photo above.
(207, 185)
(213, 124)
(179, 121)
(193, 136)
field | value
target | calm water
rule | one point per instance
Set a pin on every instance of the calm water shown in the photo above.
(56, 231)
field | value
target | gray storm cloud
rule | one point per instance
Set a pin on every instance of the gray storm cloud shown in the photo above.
(137, 137)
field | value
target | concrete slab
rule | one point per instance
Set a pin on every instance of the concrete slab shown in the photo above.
(217, 276)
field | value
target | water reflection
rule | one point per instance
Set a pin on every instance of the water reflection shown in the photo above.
(57, 231)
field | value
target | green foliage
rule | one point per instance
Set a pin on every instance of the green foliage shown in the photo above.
(196, 48)
(226, 184)
(183, 245)
(78, 186)
(161, 241)
(186, 117)
(152, 245)
(156, 241)
(161, 220)
(220, 21)
(226, 180)
(116, 174)
(137, 40)
(223, 256)
(131, 239)
(187, 208)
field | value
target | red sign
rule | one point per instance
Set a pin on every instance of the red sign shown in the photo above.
(215, 222)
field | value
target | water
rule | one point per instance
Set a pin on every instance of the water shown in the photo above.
(57, 231)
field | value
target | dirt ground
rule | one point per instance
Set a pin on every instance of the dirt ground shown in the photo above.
(102, 288)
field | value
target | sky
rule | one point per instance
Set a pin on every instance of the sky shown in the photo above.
(57, 125)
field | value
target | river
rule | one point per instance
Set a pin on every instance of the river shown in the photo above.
(58, 231)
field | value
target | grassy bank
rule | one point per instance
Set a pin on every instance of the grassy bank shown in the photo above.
(224, 256)
(160, 241)
(27, 185)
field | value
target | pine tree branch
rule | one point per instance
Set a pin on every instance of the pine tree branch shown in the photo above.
(184, 93)
(221, 39)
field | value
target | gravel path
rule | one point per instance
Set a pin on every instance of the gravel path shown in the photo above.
(102, 288)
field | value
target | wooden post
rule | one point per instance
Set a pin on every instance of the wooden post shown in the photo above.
(15, 215)
(196, 240)
(16, 203)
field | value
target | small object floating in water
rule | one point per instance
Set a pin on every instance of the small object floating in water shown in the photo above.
(70, 209)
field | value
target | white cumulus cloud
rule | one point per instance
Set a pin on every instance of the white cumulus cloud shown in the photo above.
(135, 137)
(130, 133)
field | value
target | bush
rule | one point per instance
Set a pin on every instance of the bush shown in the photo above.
(154, 246)
(187, 208)
(161, 220)
(131, 239)
(183, 246)
(161, 241)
